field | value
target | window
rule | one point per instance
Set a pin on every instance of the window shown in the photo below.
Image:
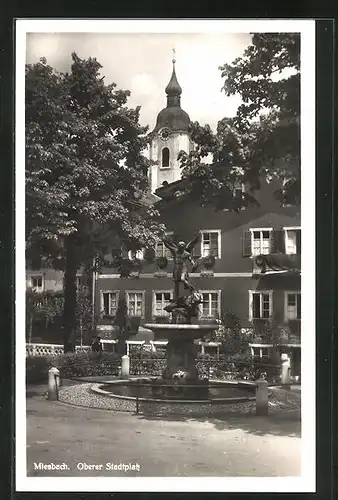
(161, 250)
(136, 254)
(161, 300)
(260, 352)
(211, 304)
(46, 263)
(211, 243)
(292, 305)
(109, 302)
(292, 241)
(260, 305)
(165, 158)
(37, 283)
(135, 303)
(261, 241)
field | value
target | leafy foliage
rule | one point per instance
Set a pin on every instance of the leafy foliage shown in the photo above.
(253, 76)
(71, 365)
(267, 77)
(47, 307)
(85, 171)
(87, 364)
(42, 308)
(234, 342)
(263, 139)
(37, 368)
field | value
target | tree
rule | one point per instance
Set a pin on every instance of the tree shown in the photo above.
(85, 172)
(43, 307)
(267, 77)
(263, 139)
(234, 341)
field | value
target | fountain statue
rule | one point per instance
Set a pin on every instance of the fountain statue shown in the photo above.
(181, 333)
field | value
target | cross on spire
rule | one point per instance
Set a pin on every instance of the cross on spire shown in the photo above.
(174, 52)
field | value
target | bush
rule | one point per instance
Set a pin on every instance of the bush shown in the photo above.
(147, 367)
(88, 364)
(234, 341)
(72, 365)
(37, 369)
(147, 355)
(236, 367)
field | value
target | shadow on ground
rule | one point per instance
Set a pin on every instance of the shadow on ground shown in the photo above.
(283, 424)
(33, 391)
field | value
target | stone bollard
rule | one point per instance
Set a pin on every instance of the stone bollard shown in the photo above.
(262, 397)
(125, 366)
(53, 384)
(285, 372)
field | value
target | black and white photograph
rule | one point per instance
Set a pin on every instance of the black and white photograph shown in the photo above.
(165, 262)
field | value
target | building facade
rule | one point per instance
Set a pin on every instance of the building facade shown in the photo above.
(254, 269)
(234, 281)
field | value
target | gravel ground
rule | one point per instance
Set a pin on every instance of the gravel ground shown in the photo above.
(81, 394)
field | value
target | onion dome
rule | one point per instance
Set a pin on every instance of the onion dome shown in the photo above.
(173, 116)
(173, 89)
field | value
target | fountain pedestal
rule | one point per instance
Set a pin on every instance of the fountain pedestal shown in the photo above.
(181, 353)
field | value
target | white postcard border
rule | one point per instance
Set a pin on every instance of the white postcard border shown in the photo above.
(304, 483)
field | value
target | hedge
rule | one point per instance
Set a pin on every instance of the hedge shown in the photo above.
(37, 369)
(88, 364)
(83, 364)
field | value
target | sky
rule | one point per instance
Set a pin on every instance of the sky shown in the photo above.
(142, 63)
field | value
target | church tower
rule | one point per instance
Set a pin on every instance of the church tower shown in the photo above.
(169, 137)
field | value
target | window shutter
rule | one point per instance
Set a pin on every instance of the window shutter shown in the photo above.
(298, 242)
(256, 301)
(214, 244)
(246, 240)
(106, 303)
(277, 241)
(299, 307)
(282, 241)
(196, 252)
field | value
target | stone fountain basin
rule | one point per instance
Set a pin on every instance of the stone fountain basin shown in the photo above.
(180, 331)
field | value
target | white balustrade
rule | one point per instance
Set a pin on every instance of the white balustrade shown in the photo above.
(50, 350)
(53, 350)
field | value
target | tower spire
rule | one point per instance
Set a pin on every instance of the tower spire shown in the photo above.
(173, 89)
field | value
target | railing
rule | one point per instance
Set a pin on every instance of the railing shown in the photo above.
(282, 341)
(50, 350)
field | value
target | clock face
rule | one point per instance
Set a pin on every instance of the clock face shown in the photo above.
(164, 134)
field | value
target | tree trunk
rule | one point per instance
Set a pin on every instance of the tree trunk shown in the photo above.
(69, 311)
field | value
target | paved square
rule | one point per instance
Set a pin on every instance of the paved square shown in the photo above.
(236, 445)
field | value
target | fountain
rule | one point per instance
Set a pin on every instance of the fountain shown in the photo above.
(179, 389)
(181, 352)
